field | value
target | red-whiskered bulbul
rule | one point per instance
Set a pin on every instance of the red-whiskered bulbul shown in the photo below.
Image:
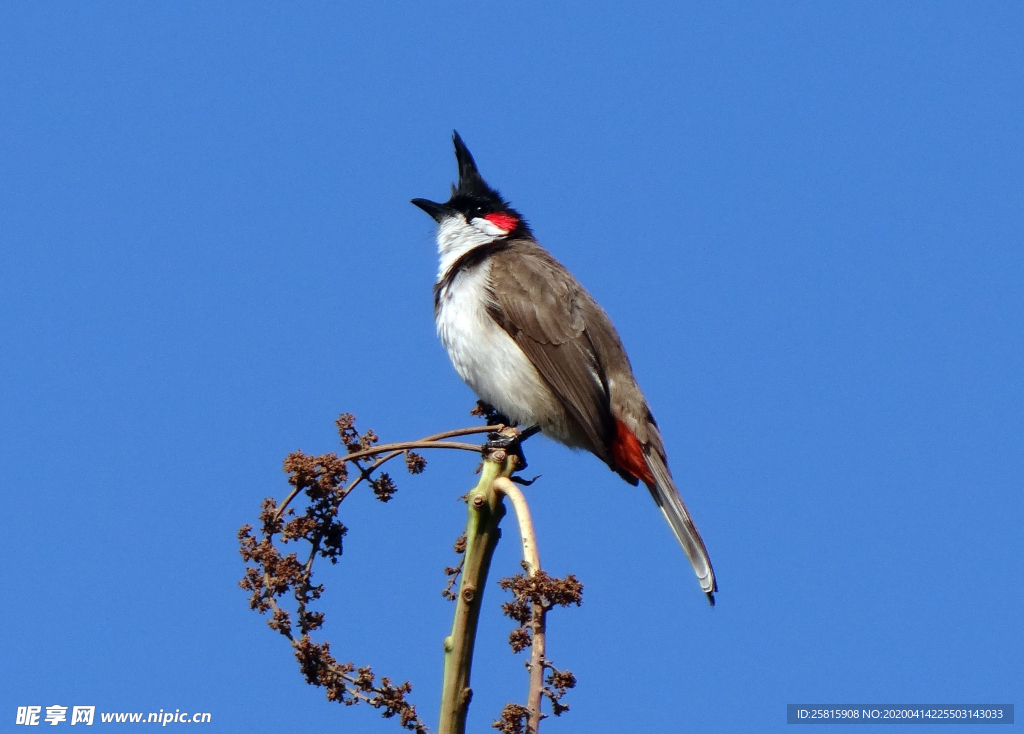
(532, 343)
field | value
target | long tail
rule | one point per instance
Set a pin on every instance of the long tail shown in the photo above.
(664, 492)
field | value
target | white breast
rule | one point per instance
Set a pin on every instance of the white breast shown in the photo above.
(485, 356)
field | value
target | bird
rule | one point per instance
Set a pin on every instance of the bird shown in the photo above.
(530, 341)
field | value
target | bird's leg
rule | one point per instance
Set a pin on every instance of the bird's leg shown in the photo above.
(508, 438)
(517, 450)
(527, 432)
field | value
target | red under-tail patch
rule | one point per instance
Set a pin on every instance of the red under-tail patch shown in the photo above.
(501, 219)
(629, 454)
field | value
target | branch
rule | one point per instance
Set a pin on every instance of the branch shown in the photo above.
(533, 595)
(531, 564)
(531, 556)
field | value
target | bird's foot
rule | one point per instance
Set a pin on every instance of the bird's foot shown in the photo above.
(510, 441)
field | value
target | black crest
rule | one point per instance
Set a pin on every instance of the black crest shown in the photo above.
(471, 183)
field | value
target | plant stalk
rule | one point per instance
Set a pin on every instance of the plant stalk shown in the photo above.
(486, 509)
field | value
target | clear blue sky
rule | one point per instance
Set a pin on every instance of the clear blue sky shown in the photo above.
(805, 221)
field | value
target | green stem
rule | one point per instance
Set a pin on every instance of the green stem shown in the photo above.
(485, 512)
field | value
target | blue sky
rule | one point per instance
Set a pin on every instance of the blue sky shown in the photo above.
(805, 220)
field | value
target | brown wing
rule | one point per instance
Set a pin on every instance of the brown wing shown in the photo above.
(575, 348)
(542, 307)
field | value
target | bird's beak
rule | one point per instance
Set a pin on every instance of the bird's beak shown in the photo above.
(437, 211)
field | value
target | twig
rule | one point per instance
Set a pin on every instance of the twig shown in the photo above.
(397, 449)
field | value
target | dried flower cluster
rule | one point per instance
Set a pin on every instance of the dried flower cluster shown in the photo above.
(541, 589)
(532, 597)
(555, 686)
(513, 719)
(349, 685)
(514, 716)
(322, 480)
(453, 572)
(308, 518)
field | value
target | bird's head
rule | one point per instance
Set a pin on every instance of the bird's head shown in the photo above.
(475, 211)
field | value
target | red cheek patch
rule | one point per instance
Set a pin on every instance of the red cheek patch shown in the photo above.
(506, 221)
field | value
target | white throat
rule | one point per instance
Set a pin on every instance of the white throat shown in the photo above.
(456, 237)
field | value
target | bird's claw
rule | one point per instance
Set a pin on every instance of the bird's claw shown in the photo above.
(499, 442)
(510, 440)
